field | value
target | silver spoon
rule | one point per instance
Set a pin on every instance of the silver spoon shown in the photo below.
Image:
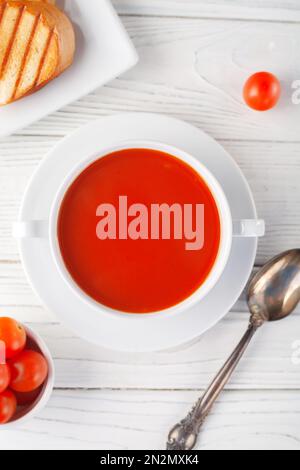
(273, 294)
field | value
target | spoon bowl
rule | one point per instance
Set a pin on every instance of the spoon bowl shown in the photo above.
(274, 291)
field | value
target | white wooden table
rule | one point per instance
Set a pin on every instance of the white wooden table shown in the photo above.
(194, 55)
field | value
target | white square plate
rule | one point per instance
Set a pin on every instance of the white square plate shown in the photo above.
(103, 52)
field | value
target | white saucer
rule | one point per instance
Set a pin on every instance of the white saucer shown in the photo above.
(135, 334)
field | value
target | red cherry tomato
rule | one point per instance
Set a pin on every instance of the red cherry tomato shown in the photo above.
(28, 398)
(14, 336)
(262, 91)
(28, 371)
(4, 377)
(8, 406)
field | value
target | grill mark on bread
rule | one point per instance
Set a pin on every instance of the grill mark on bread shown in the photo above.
(3, 47)
(24, 61)
(2, 13)
(49, 62)
(17, 53)
(37, 51)
(12, 38)
(44, 57)
(2, 9)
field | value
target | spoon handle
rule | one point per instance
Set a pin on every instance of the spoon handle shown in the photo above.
(184, 434)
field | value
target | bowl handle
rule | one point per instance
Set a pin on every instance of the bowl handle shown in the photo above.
(249, 228)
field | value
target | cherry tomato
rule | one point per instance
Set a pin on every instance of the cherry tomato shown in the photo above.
(14, 336)
(4, 377)
(262, 91)
(28, 398)
(8, 406)
(28, 371)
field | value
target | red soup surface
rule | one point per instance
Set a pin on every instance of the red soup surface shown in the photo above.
(136, 275)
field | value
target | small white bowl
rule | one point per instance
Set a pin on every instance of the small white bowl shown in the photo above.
(26, 413)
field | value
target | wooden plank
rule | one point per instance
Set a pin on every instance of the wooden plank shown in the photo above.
(272, 10)
(195, 69)
(272, 169)
(272, 360)
(134, 420)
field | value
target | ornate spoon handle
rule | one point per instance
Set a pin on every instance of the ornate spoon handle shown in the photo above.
(184, 434)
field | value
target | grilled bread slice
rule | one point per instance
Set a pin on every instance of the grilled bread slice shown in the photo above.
(37, 44)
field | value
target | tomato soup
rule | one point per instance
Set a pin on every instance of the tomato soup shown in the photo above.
(108, 238)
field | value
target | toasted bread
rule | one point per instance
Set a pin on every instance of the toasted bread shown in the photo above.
(37, 44)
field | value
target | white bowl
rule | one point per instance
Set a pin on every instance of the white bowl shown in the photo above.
(219, 197)
(28, 412)
(229, 229)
